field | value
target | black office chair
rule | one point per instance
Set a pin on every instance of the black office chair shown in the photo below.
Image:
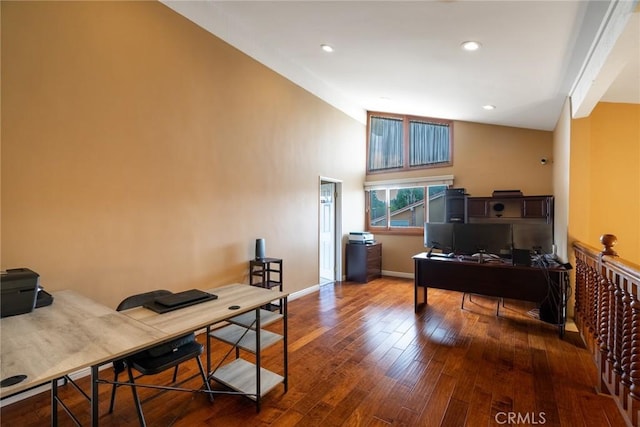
(156, 359)
(500, 300)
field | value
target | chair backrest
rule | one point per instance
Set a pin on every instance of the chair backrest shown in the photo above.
(139, 299)
(162, 349)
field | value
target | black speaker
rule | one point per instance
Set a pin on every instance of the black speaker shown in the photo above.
(521, 257)
(260, 249)
(455, 206)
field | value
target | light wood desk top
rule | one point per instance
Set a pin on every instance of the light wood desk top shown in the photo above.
(76, 332)
(188, 319)
(71, 334)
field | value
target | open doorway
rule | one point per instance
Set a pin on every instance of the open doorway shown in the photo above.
(329, 228)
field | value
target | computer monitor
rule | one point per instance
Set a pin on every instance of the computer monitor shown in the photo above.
(533, 237)
(438, 236)
(494, 239)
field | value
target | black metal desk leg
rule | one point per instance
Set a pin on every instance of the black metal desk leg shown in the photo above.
(258, 360)
(208, 352)
(94, 395)
(284, 307)
(54, 403)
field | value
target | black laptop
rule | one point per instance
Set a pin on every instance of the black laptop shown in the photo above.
(178, 300)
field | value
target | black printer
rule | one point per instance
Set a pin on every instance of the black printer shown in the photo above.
(20, 292)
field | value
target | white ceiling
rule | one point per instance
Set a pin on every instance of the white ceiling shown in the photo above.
(405, 57)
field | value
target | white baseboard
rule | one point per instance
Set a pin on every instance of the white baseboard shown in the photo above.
(398, 274)
(305, 291)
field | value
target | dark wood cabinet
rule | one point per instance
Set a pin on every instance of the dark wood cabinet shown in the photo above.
(536, 207)
(364, 262)
(477, 207)
(510, 209)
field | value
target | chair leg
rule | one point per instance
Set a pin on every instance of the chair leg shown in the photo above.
(136, 398)
(462, 304)
(113, 393)
(205, 380)
(175, 373)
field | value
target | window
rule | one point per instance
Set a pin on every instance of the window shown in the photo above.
(401, 206)
(404, 142)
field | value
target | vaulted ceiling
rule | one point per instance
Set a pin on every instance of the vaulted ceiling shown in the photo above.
(406, 57)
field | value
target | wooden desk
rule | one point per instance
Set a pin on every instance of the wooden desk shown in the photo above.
(75, 333)
(251, 380)
(199, 316)
(71, 334)
(547, 287)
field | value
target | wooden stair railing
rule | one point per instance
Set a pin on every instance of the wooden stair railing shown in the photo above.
(607, 314)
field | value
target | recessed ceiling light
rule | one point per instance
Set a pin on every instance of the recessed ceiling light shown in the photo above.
(471, 45)
(326, 48)
(489, 107)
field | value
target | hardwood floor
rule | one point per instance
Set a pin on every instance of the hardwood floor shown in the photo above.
(359, 356)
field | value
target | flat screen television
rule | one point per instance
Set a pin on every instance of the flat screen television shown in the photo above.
(469, 239)
(438, 235)
(534, 237)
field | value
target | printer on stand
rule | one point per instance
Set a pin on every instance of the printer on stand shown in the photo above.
(361, 237)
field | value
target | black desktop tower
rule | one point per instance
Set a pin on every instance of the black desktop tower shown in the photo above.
(455, 206)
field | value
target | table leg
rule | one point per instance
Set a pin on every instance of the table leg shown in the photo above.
(208, 350)
(258, 360)
(94, 395)
(419, 298)
(54, 403)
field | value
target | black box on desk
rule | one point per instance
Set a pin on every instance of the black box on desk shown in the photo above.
(18, 291)
(521, 257)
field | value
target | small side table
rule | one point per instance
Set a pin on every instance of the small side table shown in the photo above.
(266, 273)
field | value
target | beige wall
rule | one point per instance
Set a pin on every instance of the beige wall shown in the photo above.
(141, 152)
(605, 178)
(485, 158)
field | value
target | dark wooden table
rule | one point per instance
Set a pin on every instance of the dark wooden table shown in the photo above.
(544, 285)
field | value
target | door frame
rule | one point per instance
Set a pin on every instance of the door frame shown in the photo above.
(338, 226)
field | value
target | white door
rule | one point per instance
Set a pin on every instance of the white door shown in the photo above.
(327, 232)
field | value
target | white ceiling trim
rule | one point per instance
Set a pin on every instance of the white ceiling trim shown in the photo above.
(601, 68)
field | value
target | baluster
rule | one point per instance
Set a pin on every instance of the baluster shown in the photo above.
(625, 357)
(633, 401)
(611, 333)
(579, 292)
(580, 272)
(593, 308)
(634, 373)
(592, 279)
(605, 312)
(617, 344)
(626, 336)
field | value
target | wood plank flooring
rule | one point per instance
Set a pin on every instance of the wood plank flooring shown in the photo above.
(360, 356)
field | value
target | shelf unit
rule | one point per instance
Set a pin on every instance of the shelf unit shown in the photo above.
(266, 273)
(245, 332)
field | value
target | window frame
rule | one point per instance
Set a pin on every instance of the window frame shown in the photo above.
(406, 142)
(398, 184)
